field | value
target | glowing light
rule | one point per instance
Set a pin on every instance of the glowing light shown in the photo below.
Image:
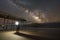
(16, 23)
(36, 17)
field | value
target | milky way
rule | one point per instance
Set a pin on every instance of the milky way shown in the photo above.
(33, 10)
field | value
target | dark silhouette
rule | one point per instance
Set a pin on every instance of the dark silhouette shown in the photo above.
(18, 28)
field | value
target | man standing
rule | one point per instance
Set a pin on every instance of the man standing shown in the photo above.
(18, 28)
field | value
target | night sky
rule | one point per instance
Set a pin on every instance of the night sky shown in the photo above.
(49, 10)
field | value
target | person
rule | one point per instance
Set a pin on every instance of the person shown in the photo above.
(18, 28)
